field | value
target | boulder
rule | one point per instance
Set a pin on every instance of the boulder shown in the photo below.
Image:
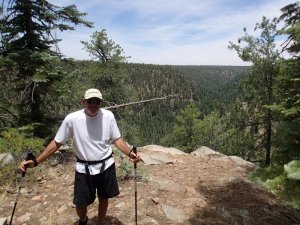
(243, 163)
(156, 158)
(206, 152)
(157, 148)
(6, 158)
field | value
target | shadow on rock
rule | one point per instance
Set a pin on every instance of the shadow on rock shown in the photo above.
(109, 220)
(240, 202)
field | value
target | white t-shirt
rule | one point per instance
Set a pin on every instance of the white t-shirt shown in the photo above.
(92, 137)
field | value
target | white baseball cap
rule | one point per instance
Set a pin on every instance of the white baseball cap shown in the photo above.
(92, 93)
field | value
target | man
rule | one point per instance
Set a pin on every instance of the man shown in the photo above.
(93, 130)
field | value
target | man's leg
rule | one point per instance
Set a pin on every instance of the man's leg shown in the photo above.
(102, 209)
(81, 212)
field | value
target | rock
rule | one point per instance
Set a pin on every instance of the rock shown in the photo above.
(37, 198)
(24, 218)
(62, 208)
(170, 186)
(155, 155)
(6, 158)
(11, 191)
(24, 191)
(156, 159)
(147, 159)
(157, 148)
(243, 163)
(3, 221)
(150, 221)
(207, 152)
(163, 158)
(120, 205)
(173, 214)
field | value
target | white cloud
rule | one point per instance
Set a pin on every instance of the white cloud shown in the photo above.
(171, 31)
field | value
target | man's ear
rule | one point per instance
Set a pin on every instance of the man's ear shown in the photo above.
(83, 102)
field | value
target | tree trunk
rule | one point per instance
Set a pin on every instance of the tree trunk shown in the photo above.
(268, 139)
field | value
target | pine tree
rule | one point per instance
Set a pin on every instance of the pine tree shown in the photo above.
(287, 89)
(185, 134)
(27, 42)
(261, 52)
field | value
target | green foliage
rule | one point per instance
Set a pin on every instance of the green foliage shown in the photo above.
(287, 189)
(287, 146)
(17, 142)
(26, 45)
(126, 168)
(104, 49)
(233, 139)
(291, 18)
(292, 170)
(7, 95)
(185, 133)
(283, 177)
(287, 109)
(215, 87)
(211, 131)
(261, 175)
(155, 119)
(28, 24)
(258, 88)
(130, 132)
(284, 181)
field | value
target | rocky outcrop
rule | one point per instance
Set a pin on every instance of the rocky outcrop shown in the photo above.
(174, 188)
(206, 152)
(155, 155)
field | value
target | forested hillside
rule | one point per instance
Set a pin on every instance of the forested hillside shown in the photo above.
(145, 123)
(151, 81)
(215, 87)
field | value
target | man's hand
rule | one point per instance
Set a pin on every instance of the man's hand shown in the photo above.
(24, 165)
(134, 157)
(120, 144)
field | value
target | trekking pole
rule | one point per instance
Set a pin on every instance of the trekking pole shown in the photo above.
(29, 156)
(135, 185)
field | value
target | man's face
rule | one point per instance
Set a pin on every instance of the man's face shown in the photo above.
(92, 106)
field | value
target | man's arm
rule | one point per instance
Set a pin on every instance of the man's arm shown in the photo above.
(120, 144)
(52, 147)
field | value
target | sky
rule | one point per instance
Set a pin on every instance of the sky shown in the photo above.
(170, 32)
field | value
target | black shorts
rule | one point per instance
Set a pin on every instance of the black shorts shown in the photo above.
(104, 183)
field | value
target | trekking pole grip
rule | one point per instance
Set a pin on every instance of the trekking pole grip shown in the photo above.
(29, 156)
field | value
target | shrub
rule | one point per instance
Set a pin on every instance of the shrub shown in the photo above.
(284, 181)
(17, 142)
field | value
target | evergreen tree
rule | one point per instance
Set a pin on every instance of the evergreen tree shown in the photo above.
(259, 87)
(283, 176)
(186, 132)
(287, 89)
(104, 49)
(27, 41)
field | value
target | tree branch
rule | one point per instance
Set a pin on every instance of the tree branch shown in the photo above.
(140, 102)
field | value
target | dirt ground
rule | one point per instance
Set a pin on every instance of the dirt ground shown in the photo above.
(184, 190)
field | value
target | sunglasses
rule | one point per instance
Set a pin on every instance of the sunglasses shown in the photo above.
(93, 101)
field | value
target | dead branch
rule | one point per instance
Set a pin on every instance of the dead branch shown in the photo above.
(139, 102)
